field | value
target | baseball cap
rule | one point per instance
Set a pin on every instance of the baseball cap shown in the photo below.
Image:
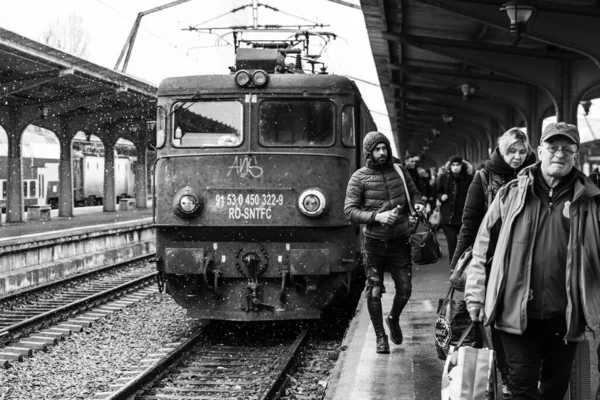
(561, 128)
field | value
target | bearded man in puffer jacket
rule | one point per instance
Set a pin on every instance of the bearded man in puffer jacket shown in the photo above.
(542, 296)
(376, 198)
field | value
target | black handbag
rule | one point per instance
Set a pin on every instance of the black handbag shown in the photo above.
(425, 248)
(451, 321)
(423, 238)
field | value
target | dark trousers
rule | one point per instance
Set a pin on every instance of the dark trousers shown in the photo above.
(451, 232)
(392, 256)
(539, 354)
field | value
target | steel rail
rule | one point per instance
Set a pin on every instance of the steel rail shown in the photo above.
(73, 306)
(153, 372)
(70, 278)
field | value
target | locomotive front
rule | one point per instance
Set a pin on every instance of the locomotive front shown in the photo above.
(250, 182)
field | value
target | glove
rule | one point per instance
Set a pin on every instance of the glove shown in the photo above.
(419, 208)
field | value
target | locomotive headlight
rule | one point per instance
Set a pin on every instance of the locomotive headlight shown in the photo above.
(260, 77)
(187, 203)
(312, 202)
(242, 78)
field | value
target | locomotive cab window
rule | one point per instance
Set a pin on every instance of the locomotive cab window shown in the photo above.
(348, 126)
(208, 124)
(296, 123)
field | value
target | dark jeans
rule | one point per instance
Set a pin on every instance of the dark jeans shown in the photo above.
(392, 256)
(539, 354)
(451, 232)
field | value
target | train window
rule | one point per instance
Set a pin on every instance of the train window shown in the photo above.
(208, 124)
(348, 127)
(298, 123)
(32, 191)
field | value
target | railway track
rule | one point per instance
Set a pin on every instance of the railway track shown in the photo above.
(199, 369)
(46, 320)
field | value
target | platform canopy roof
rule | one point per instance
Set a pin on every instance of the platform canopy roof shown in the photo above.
(45, 84)
(462, 62)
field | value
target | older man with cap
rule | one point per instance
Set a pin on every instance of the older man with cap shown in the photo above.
(542, 295)
(376, 198)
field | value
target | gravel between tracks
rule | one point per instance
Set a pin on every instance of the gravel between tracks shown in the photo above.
(88, 362)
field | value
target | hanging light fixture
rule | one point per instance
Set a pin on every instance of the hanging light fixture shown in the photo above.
(467, 89)
(88, 136)
(447, 118)
(133, 128)
(586, 104)
(43, 111)
(519, 13)
(436, 132)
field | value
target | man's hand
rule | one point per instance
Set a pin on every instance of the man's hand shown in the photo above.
(444, 197)
(476, 312)
(419, 208)
(386, 218)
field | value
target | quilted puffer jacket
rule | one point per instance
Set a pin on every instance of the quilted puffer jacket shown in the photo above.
(378, 188)
(476, 205)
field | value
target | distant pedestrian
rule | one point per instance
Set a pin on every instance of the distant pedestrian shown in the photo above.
(376, 198)
(452, 193)
(512, 155)
(542, 295)
(410, 162)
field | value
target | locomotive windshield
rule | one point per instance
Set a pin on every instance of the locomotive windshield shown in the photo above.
(208, 124)
(296, 123)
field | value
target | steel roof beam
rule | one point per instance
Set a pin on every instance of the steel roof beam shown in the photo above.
(572, 20)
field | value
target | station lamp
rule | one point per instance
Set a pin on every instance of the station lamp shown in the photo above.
(519, 13)
(447, 118)
(88, 136)
(586, 104)
(467, 89)
(436, 132)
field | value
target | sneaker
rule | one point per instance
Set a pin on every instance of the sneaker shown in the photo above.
(395, 331)
(506, 393)
(382, 344)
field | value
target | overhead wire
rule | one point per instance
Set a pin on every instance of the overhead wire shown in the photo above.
(174, 46)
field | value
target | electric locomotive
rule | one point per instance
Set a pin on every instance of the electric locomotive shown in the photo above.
(250, 181)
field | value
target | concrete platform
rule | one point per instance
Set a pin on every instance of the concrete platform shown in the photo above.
(37, 252)
(412, 370)
(84, 217)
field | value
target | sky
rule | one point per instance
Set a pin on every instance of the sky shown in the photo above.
(164, 47)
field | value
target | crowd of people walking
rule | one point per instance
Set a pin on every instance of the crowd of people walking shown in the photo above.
(530, 218)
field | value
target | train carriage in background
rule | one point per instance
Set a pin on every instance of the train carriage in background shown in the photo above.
(250, 182)
(40, 165)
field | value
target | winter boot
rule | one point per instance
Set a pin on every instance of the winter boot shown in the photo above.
(383, 346)
(395, 330)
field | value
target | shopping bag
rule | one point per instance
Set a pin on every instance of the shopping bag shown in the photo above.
(459, 275)
(451, 321)
(424, 243)
(469, 373)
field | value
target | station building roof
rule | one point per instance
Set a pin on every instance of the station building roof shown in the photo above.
(34, 75)
(428, 53)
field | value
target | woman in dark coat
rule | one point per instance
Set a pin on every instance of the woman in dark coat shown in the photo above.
(512, 155)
